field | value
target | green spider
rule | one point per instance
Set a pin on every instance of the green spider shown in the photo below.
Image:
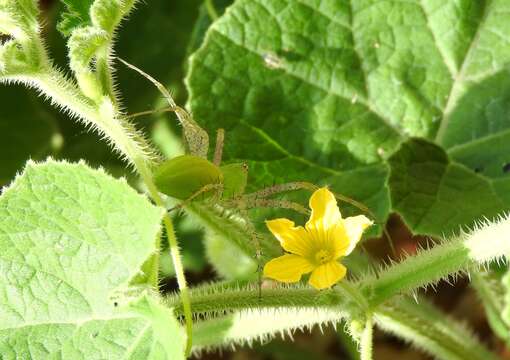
(186, 177)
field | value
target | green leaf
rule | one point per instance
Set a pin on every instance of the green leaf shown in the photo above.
(18, 17)
(83, 45)
(69, 237)
(289, 98)
(76, 15)
(19, 53)
(167, 335)
(328, 90)
(434, 194)
(490, 290)
(478, 131)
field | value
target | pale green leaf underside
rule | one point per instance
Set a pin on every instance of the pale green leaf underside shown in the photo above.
(322, 89)
(69, 237)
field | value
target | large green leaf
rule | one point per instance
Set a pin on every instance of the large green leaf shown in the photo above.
(328, 90)
(477, 133)
(70, 237)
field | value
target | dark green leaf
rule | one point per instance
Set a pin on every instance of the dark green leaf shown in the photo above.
(327, 90)
(435, 195)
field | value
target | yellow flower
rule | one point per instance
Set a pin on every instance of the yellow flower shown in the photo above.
(315, 248)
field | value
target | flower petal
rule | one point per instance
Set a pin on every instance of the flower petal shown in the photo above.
(338, 241)
(354, 227)
(287, 268)
(327, 275)
(293, 239)
(325, 212)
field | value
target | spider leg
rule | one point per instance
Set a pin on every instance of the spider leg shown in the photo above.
(238, 203)
(149, 112)
(218, 151)
(303, 185)
(251, 202)
(196, 137)
(218, 188)
(252, 232)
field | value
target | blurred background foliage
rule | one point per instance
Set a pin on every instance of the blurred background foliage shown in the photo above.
(159, 38)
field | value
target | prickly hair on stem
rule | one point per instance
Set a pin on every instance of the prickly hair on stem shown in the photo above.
(120, 134)
(489, 240)
(430, 330)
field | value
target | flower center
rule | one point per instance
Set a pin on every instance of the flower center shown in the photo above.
(323, 256)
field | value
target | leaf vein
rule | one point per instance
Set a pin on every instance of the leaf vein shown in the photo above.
(362, 101)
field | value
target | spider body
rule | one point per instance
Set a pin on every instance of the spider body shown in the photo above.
(182, 176)
(187, 176)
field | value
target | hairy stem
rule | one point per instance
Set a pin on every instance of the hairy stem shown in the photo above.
(366, 343)
(104, 74)
(427, 328)
(425, 268)
(219, 300)
(176, 258)
(121, 134)
(211, 10)
(421, 324)
(245, 327)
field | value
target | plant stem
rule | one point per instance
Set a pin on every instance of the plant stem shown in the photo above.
(366, 347)
(219, 299)
(422, 269)
(176, 257)
(421, 324)
(211, 10)
(104, 74)
(426, 267)
(426, 327)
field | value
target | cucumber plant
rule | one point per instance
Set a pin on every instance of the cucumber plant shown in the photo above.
(402, 105)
